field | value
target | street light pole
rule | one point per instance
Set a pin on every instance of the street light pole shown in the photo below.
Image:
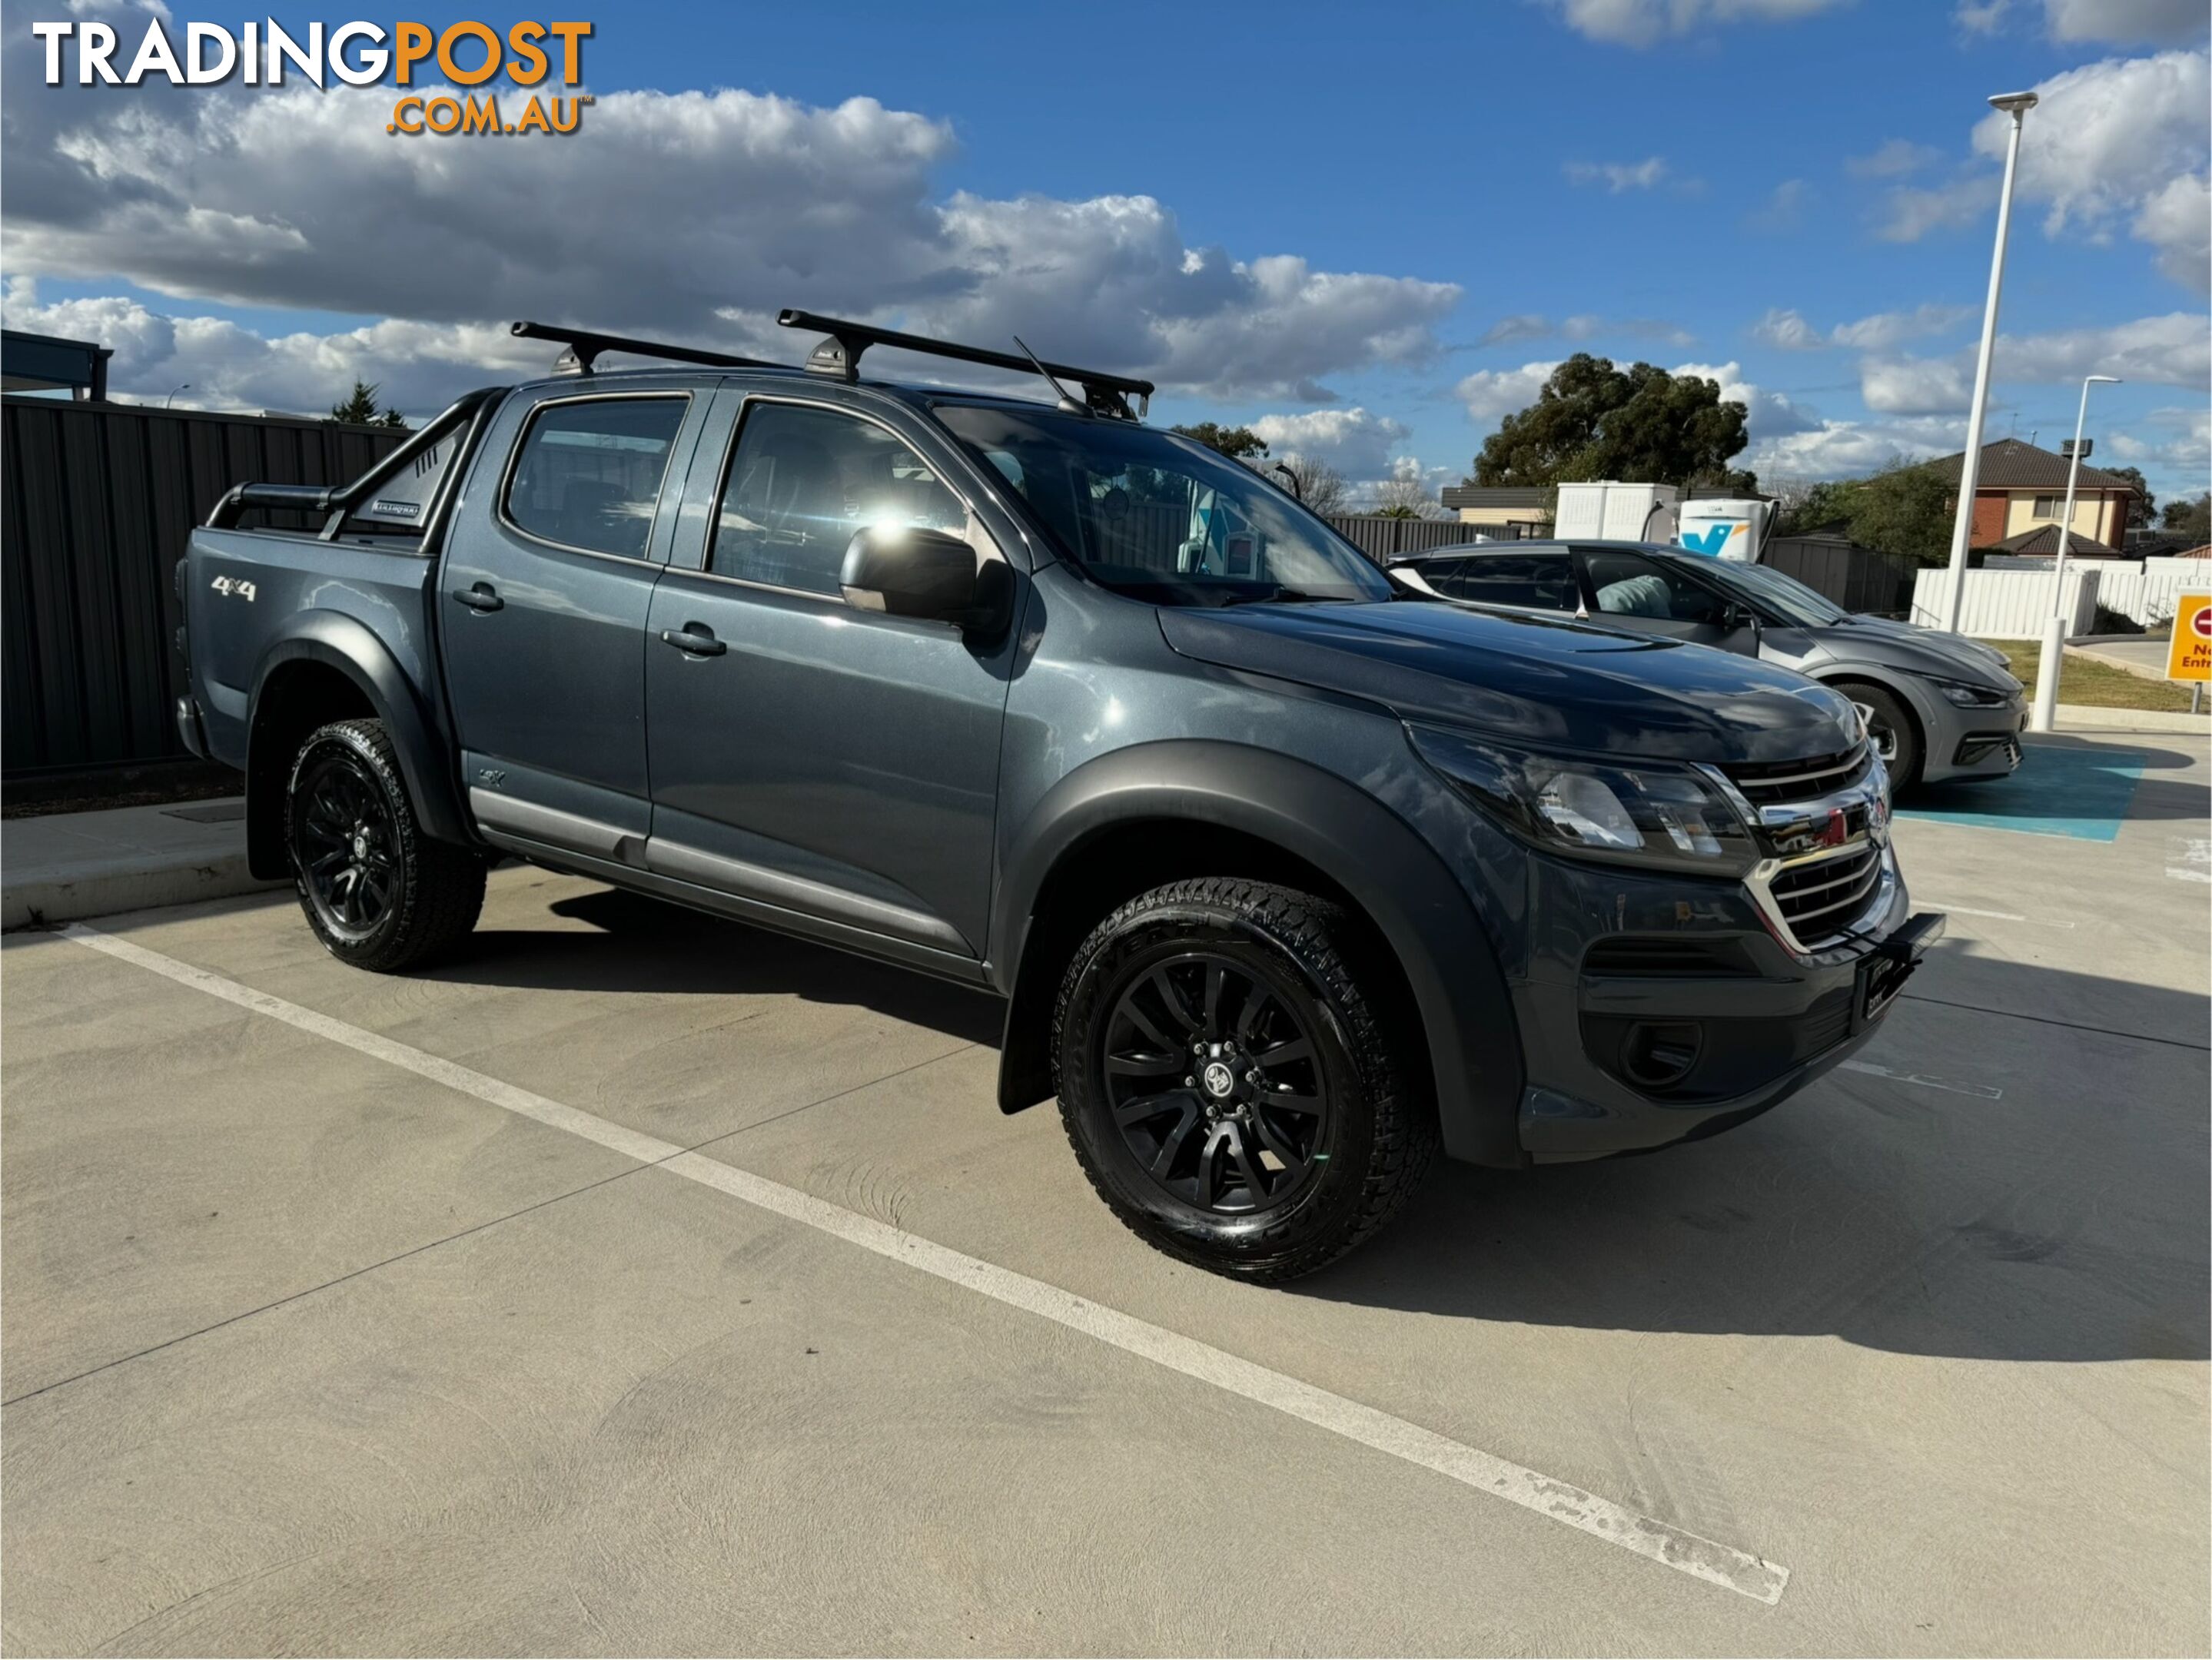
(2054, 631)
(181, 386)
(2016, 105)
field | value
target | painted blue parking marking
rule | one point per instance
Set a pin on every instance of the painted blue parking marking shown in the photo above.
(2058, 791)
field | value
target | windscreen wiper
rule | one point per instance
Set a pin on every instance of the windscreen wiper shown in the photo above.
(1286, 596)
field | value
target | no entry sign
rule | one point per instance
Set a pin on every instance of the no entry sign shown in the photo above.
(2190, 656)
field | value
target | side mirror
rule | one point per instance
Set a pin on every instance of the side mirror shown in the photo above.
(904, 571)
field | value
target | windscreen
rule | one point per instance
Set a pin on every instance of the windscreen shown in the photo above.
(1790, 599)
(1160, 518)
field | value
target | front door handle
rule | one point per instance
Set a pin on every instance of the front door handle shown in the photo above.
(695, 640)
(481, 597)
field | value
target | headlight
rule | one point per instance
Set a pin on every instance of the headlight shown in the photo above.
(1967, 695)
(1662, 813)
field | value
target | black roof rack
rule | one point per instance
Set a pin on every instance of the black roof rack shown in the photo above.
(585, 347)
(840, 355)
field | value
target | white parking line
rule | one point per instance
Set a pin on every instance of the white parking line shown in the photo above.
(2001, 915)
(1986, 1091)
(1686, 1552)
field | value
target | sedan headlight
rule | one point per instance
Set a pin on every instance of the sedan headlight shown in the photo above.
(1660, 813)
(1967, 695)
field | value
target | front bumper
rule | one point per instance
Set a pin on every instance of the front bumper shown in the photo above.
(1674, 1018)
(1981, 743)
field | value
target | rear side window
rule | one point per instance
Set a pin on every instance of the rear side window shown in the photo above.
(1540, 581)
(1629, 585)
(803, 481)
(589, 472)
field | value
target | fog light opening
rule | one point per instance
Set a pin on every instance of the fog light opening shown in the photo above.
(1656, 1054)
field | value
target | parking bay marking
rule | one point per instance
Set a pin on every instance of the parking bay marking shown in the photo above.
(1671, 1546)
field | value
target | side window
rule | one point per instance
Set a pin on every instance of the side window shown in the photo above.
(1538, 582)
(1629, 585)
(803, 480)
(589, 472)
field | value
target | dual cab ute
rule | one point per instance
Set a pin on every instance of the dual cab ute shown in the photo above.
(1286, 878)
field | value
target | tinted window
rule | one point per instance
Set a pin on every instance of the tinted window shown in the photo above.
(1543, 581)
(589, 474)
(1159, 517)
(803, 480)
(1629, 585)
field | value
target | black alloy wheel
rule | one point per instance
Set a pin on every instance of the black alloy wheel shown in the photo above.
(1214, 1084)
(344, 843)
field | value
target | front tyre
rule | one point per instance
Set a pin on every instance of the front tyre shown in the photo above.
(379, 893)
(1228, 1083)
(1893, 731)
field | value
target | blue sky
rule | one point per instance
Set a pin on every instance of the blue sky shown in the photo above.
(1473, 190)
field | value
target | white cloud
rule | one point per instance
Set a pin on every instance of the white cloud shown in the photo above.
(1845, 449)
(1531, 325)
(1982, 19)
(2168, 351)
(1884, 331)
(1893, 160)
(1355, 442)
(2125, 21)
(2176, 454)
(1915, 386)
(1787, 331)
(1766, 414)
(2176, 220)
(1619, 176)
(1783, 207)
(1912, 211)
(692, 216)
(1643, 23)
(1489, 394)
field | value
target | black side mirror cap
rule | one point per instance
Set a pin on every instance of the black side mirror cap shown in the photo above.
(905, 570)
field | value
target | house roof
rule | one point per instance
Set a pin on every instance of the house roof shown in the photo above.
(2009, 465)
(2044, 540)
(1494, 495)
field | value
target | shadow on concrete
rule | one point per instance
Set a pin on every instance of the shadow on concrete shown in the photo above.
(2068, 1221)
(648, 945)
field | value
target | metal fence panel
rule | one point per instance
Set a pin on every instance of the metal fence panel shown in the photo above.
(98, 502)
(2006, 604)
(1382, 538)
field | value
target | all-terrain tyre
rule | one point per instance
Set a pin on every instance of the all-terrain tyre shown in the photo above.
(1893, 731)
(1229, 1083)
(379, 893)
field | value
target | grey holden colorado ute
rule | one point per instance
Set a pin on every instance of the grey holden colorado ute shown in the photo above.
(1286, 878)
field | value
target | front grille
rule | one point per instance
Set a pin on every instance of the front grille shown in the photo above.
(1766, 782)
(1818, 898)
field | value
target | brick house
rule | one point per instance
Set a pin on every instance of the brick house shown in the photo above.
(2022, 490)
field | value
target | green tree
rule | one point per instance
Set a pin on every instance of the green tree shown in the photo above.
(2140, 509)
(2191, 519)
(1237, 443)
(1901, 508)
(360, 409)
(1641, 425)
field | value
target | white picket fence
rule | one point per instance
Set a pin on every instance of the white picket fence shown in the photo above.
(2014, 604)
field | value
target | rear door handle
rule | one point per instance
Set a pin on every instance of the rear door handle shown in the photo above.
(694, 640)
(481, 597)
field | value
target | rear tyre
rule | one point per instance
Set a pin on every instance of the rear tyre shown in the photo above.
(379, 893)
(1228, 1083)
(1893, 731)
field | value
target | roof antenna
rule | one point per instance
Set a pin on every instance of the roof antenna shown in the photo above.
(1067, 406)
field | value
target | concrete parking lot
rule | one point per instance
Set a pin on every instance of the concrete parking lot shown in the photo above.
(639, 1283)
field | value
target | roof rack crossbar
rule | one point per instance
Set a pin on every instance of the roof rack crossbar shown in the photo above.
(840, 355)
(585, 346)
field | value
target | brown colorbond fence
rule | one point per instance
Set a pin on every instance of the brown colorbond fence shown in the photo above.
(1858, 579)
(1382, 538)
(97, 501)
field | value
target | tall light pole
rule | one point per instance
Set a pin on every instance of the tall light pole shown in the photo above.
(2016, 105)
(2054, 631)
(181, 386)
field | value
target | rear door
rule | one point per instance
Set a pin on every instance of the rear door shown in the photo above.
(1651, 596)
(541, 605)
(836, 764)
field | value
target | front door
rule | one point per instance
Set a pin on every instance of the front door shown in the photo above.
(832, 763)
(1629, 591)
(543, 604)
